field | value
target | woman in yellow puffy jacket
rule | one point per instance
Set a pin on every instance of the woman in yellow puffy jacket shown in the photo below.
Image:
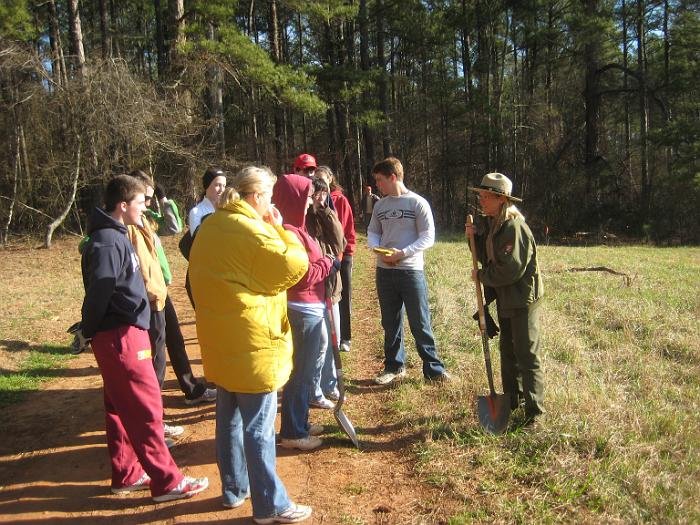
(241, 264)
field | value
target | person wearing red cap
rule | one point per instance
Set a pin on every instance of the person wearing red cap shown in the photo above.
(305, 165)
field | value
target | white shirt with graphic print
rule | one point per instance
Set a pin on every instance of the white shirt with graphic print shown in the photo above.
(405, 223)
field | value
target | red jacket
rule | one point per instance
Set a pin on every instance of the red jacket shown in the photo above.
(344, 211)
(290, 196)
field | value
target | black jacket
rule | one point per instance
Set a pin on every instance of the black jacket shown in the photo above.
(114, 291)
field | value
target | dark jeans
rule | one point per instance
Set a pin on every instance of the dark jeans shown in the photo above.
(156, 334)
(346, 298)
(175, 343)
(521, 370)
(400, 290)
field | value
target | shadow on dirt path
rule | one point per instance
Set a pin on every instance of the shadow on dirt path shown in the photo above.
(54, 464)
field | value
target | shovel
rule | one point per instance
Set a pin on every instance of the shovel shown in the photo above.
(340, 416)
(493, 410)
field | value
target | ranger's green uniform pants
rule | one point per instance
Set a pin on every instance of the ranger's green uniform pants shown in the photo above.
(521, 370)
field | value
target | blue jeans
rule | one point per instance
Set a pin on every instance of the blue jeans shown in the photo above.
(325, 379)
(245, 451)
(400, 290)
(307, 331)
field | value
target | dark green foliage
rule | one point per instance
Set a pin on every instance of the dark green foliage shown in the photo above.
(541, 90)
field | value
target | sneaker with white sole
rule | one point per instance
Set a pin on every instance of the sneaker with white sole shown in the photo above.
(143, 483)
(345, 346)
(171, 431)
(209, 396)
(187, 488)
(306, 443)
(387, 377)
(322, 403)
(294, 514)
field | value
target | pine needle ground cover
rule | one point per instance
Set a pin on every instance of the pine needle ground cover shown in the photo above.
(621, 442)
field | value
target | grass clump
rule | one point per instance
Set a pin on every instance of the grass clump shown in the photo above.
(39, 365)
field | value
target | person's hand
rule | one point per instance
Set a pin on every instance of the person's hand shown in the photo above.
(334, 260)
(80, 342)
(394, 258)
(469, 230)
(273, 216)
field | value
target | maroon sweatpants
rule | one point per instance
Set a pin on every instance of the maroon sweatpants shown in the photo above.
(134, 410)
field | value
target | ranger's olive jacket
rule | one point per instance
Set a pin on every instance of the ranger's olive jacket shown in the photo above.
(515, 273)
(240, 268)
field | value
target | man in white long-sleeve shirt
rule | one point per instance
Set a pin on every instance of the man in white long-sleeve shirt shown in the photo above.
(402, 222)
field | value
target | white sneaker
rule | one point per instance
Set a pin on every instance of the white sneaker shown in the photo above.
(187, 488)
(143, 483)
(386, 377)
(345, 346)
(322, 403)
(293, 514)
(171, 431)
(307, 443)
(209, 396)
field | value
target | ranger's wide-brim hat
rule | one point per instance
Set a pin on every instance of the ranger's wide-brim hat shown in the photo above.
(498, 184)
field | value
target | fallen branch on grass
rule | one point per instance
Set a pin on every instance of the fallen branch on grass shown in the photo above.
(626, 277)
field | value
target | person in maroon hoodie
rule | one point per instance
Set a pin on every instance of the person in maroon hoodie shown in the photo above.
(305, 309)
(342, 207)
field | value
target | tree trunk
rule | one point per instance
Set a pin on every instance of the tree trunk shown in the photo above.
(591, 95)
(625, 85)
(304, 131)
(367, 99)
(66, 210)
(16, 166)
(273, 31)
(383, 87)
(76, 34)
(216, 97)
(161, 48)
(105, 33)
(643, 113)
(116, 49)
(59, 65)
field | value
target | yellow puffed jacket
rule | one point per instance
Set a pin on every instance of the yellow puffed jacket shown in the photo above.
(240, 269)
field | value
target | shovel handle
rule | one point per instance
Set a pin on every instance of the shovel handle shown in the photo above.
(477, 283)
(480, 304)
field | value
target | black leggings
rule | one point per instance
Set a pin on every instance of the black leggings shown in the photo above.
(346, 298)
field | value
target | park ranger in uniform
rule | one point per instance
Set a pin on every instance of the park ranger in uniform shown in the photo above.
(508, 255)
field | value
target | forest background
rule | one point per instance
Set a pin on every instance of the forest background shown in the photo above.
(591, 107)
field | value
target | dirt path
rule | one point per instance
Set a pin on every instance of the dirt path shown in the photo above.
(54, 464)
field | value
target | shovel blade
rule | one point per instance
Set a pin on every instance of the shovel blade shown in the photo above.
(346, 426)
(493, 411)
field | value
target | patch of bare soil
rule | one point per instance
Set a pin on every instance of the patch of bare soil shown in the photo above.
(54, 465)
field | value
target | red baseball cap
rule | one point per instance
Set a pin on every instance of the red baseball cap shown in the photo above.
(305, 161)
